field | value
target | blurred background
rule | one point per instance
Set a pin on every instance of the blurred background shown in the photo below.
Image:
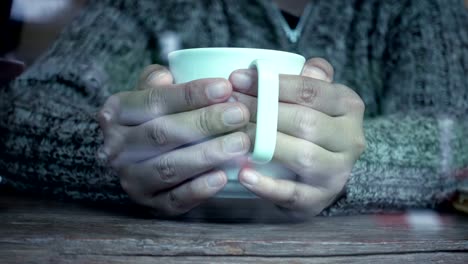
(28, 27)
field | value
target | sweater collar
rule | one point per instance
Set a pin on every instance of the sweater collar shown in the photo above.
(292, 35)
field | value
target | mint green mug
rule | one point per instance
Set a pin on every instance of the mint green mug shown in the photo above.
(191, 64)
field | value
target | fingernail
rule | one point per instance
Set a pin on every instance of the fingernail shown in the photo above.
(102, 154)
(241, 80)
(107, 116)
(233, 116)
(249, 178)
(315, 72)
(215, 180)
(154, 77)
(216, 90)
(233, 144)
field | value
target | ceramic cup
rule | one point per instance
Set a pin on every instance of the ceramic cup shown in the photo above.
(191, 64)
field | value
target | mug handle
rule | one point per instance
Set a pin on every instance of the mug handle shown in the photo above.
(267, 111)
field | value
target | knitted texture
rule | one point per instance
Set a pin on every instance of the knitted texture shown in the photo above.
(407, 60)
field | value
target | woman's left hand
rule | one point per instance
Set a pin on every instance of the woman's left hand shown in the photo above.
(320, 137)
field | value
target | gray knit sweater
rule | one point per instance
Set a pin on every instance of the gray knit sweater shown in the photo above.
(408, 60)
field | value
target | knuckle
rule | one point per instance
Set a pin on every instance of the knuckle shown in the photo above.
(304, 123)
(190, 93)
(125, 184)
(350, 98)
(157, 133)
(115, 145)
(175, 205)
(203, 122)
(294, 198)
(150, 71)
(360, 144)
(125, 181)
(165, 169)
(355, 104)
(101, 117)
(155, 96)
(306, 159)
(112, 102)
(307, 93)
(207, 156)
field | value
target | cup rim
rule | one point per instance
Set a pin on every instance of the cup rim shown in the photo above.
(232, 49)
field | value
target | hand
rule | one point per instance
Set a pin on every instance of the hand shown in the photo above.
(160, 138)
(320, 137)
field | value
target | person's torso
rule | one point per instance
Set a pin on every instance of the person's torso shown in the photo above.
(349, 34)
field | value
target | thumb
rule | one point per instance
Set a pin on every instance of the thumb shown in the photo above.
(153, 76)
(318, 68)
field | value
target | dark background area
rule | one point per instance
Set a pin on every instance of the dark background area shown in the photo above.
(38, 25)
(28, 27)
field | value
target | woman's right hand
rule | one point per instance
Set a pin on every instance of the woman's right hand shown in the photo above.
(162, 139)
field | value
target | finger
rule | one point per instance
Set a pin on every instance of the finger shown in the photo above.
(319, 69)
(134, 108)
(285, 193)
(153, 76)
(171, 169)
(187, 196)
(249, 101)
(112, 132)
(168, 132)
(107, 114)
(114, 142)
(311, 162)
(335, 134)
(246, 80)
(331, 99)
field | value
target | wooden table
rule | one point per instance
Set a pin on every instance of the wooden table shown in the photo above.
(41, 231)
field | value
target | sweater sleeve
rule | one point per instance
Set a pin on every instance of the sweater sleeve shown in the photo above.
(47, 115)
(416, 149)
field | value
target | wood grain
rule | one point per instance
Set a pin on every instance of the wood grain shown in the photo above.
(50, 257)
(41, 231)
